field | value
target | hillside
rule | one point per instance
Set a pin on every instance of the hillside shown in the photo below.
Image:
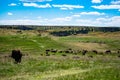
(67, 63)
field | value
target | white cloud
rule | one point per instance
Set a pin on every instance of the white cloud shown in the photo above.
(65, 19)
(103, 19)
(63, 8)
(35, 0)
(112, 21)
(12, 4)
(67, 7)
(88, 22)
(21, 22)
(10, 14)
(92, 13)
(76, 15)
(108, 21)
(107, 7)
(115, 2)
(75, 19)
(97, 1)
(36, 5)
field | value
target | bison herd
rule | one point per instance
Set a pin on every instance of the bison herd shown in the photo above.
(83, 52)
(17, 54)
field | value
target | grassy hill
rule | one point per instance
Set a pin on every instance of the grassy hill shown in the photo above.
(35, 66)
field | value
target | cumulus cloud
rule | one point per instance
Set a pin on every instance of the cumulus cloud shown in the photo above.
(12, 4)
(115, 2)
(113, 5)
(92, 13)
(36, 5)
(10, 14)
(87, 22)
(65, 19)
(62, 7)
(114, 21)
(107, 7)
(35, 0)
(97, 1)
(111, 21)
(75, 19)
(67, 7)
(103, 19)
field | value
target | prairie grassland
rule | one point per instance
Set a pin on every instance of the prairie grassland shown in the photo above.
(35, 66)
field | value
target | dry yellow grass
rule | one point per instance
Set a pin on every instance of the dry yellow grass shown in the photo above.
(89, 46)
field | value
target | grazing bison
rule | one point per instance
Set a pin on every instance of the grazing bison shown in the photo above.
(118, 52)
(69, 51)
(95, 51)
(64, 55)
(47, 52)
(17, 55)
(84, 52)
(54, 50)
(119, 56)
(60, 51)
(108, 51)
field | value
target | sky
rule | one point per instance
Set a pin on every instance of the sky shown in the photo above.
(60, 12)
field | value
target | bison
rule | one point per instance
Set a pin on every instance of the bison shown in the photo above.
(17, 55)
(108, 51)
(54, 50)
(95, 51)
(84, 52)
(118, 52)
(47, 52)
(64, 55)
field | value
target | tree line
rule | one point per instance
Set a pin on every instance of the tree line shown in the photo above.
(84, 30)
(63, 30)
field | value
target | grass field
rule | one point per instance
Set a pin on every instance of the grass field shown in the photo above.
(35, 66)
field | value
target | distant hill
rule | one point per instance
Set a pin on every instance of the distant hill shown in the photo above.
(63, 30)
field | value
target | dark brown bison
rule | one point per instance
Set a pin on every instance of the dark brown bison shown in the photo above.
(47, 52)
(69, 51)
(84, 52)
(60, 51)
(17, 55)
(95, 51)
(118, 52)
(54, 50)
(119, 56)
(108, 51)
(64, 55)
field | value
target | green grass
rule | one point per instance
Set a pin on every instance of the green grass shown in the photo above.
(56, 67)
(41, 67)
(95, 74)
(28, 44)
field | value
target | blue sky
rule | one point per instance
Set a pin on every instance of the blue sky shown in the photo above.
(60, 12)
